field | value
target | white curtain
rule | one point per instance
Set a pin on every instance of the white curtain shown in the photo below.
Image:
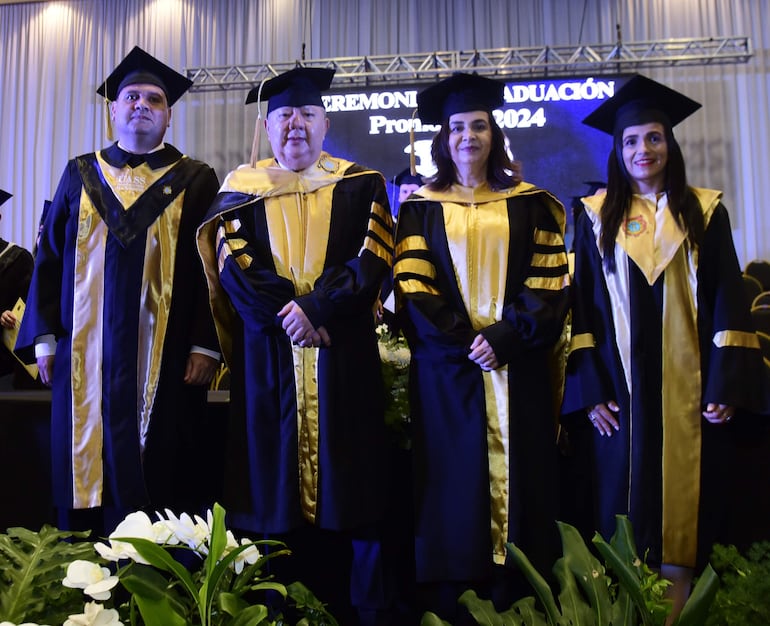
(55, 54)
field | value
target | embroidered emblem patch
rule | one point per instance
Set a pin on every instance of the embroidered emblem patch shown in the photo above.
(167, 190)
(635, 226)
(328, 165)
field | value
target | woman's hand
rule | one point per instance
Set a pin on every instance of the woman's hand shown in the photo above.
(603, 417)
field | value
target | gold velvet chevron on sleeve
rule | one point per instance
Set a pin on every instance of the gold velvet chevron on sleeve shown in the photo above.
(549, 269)
(231, 243)
(415, 272)
(379, 235)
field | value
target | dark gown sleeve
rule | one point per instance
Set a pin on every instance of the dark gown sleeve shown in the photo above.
(248, 274)
(732, 374)
(43, 314)
(436, 326)
(349, 286)
(588, 381)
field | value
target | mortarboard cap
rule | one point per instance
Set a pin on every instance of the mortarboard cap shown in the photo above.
(298, 87)
(139, 66)
(4, 197)
(639, 101)
(458, 94)
(405, 177)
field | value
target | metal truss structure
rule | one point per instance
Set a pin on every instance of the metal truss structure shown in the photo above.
(517, 63)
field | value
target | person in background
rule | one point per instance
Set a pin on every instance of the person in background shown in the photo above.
(46, 208)
(663, 357)
(482, 283)
(404, 183)
(117, 317)
(16, 265)
(295, 248)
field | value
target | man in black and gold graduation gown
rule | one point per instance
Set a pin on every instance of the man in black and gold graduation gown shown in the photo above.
(295, 249)
(117, 316)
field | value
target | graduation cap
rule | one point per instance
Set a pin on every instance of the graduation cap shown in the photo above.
(139, 66)
(405, 177)
(4, 197)
(458, 94)
(298, 87)
(639, 101)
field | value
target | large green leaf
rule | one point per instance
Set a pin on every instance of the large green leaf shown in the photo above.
(146, 582)
(696, 609)
(525, 610)
(628, 576)
(522, 613)
(574, 608)
(32, 566)
(217, 544)
(431, 619)
(159, 557)
(539, 584)
(250, 616)
(157, 611)
(588, 572)
(483, 611)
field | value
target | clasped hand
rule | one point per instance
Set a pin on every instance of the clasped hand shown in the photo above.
(299, 329)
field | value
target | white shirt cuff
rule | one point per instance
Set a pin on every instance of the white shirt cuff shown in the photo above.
(211, 353)
(45, 345)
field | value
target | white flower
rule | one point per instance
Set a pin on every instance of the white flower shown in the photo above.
(137, 525)
(24, 624)
(164, 532)
(194, 533)
(250, 555)
(94, 580)
(95, 615)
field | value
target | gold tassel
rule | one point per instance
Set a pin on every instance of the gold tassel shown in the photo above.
(412, 156)
(108, 121)
(255, 142)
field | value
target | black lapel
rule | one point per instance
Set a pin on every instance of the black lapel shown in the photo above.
(127, 224)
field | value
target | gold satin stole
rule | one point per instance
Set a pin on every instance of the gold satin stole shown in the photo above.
(650, 238)
(88, 329)
(476, 223)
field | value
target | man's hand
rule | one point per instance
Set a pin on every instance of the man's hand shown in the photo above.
(299, 329)
(483, 355)
(45, 365)
(200, 369)
(7, 319)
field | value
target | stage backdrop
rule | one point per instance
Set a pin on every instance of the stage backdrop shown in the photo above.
(542, 121)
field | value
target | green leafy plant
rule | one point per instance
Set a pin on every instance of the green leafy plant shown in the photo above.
(744, 596)
(589, 595)
(147, 584)
(32, 566)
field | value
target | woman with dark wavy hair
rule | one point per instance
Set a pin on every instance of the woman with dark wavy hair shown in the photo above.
(481, 279)
(663, 354)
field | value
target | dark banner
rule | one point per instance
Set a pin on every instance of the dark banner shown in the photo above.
(542, 121)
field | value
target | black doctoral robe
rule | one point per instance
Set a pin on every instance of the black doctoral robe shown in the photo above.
(307, 434)
(662, 350)
(473, 261)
